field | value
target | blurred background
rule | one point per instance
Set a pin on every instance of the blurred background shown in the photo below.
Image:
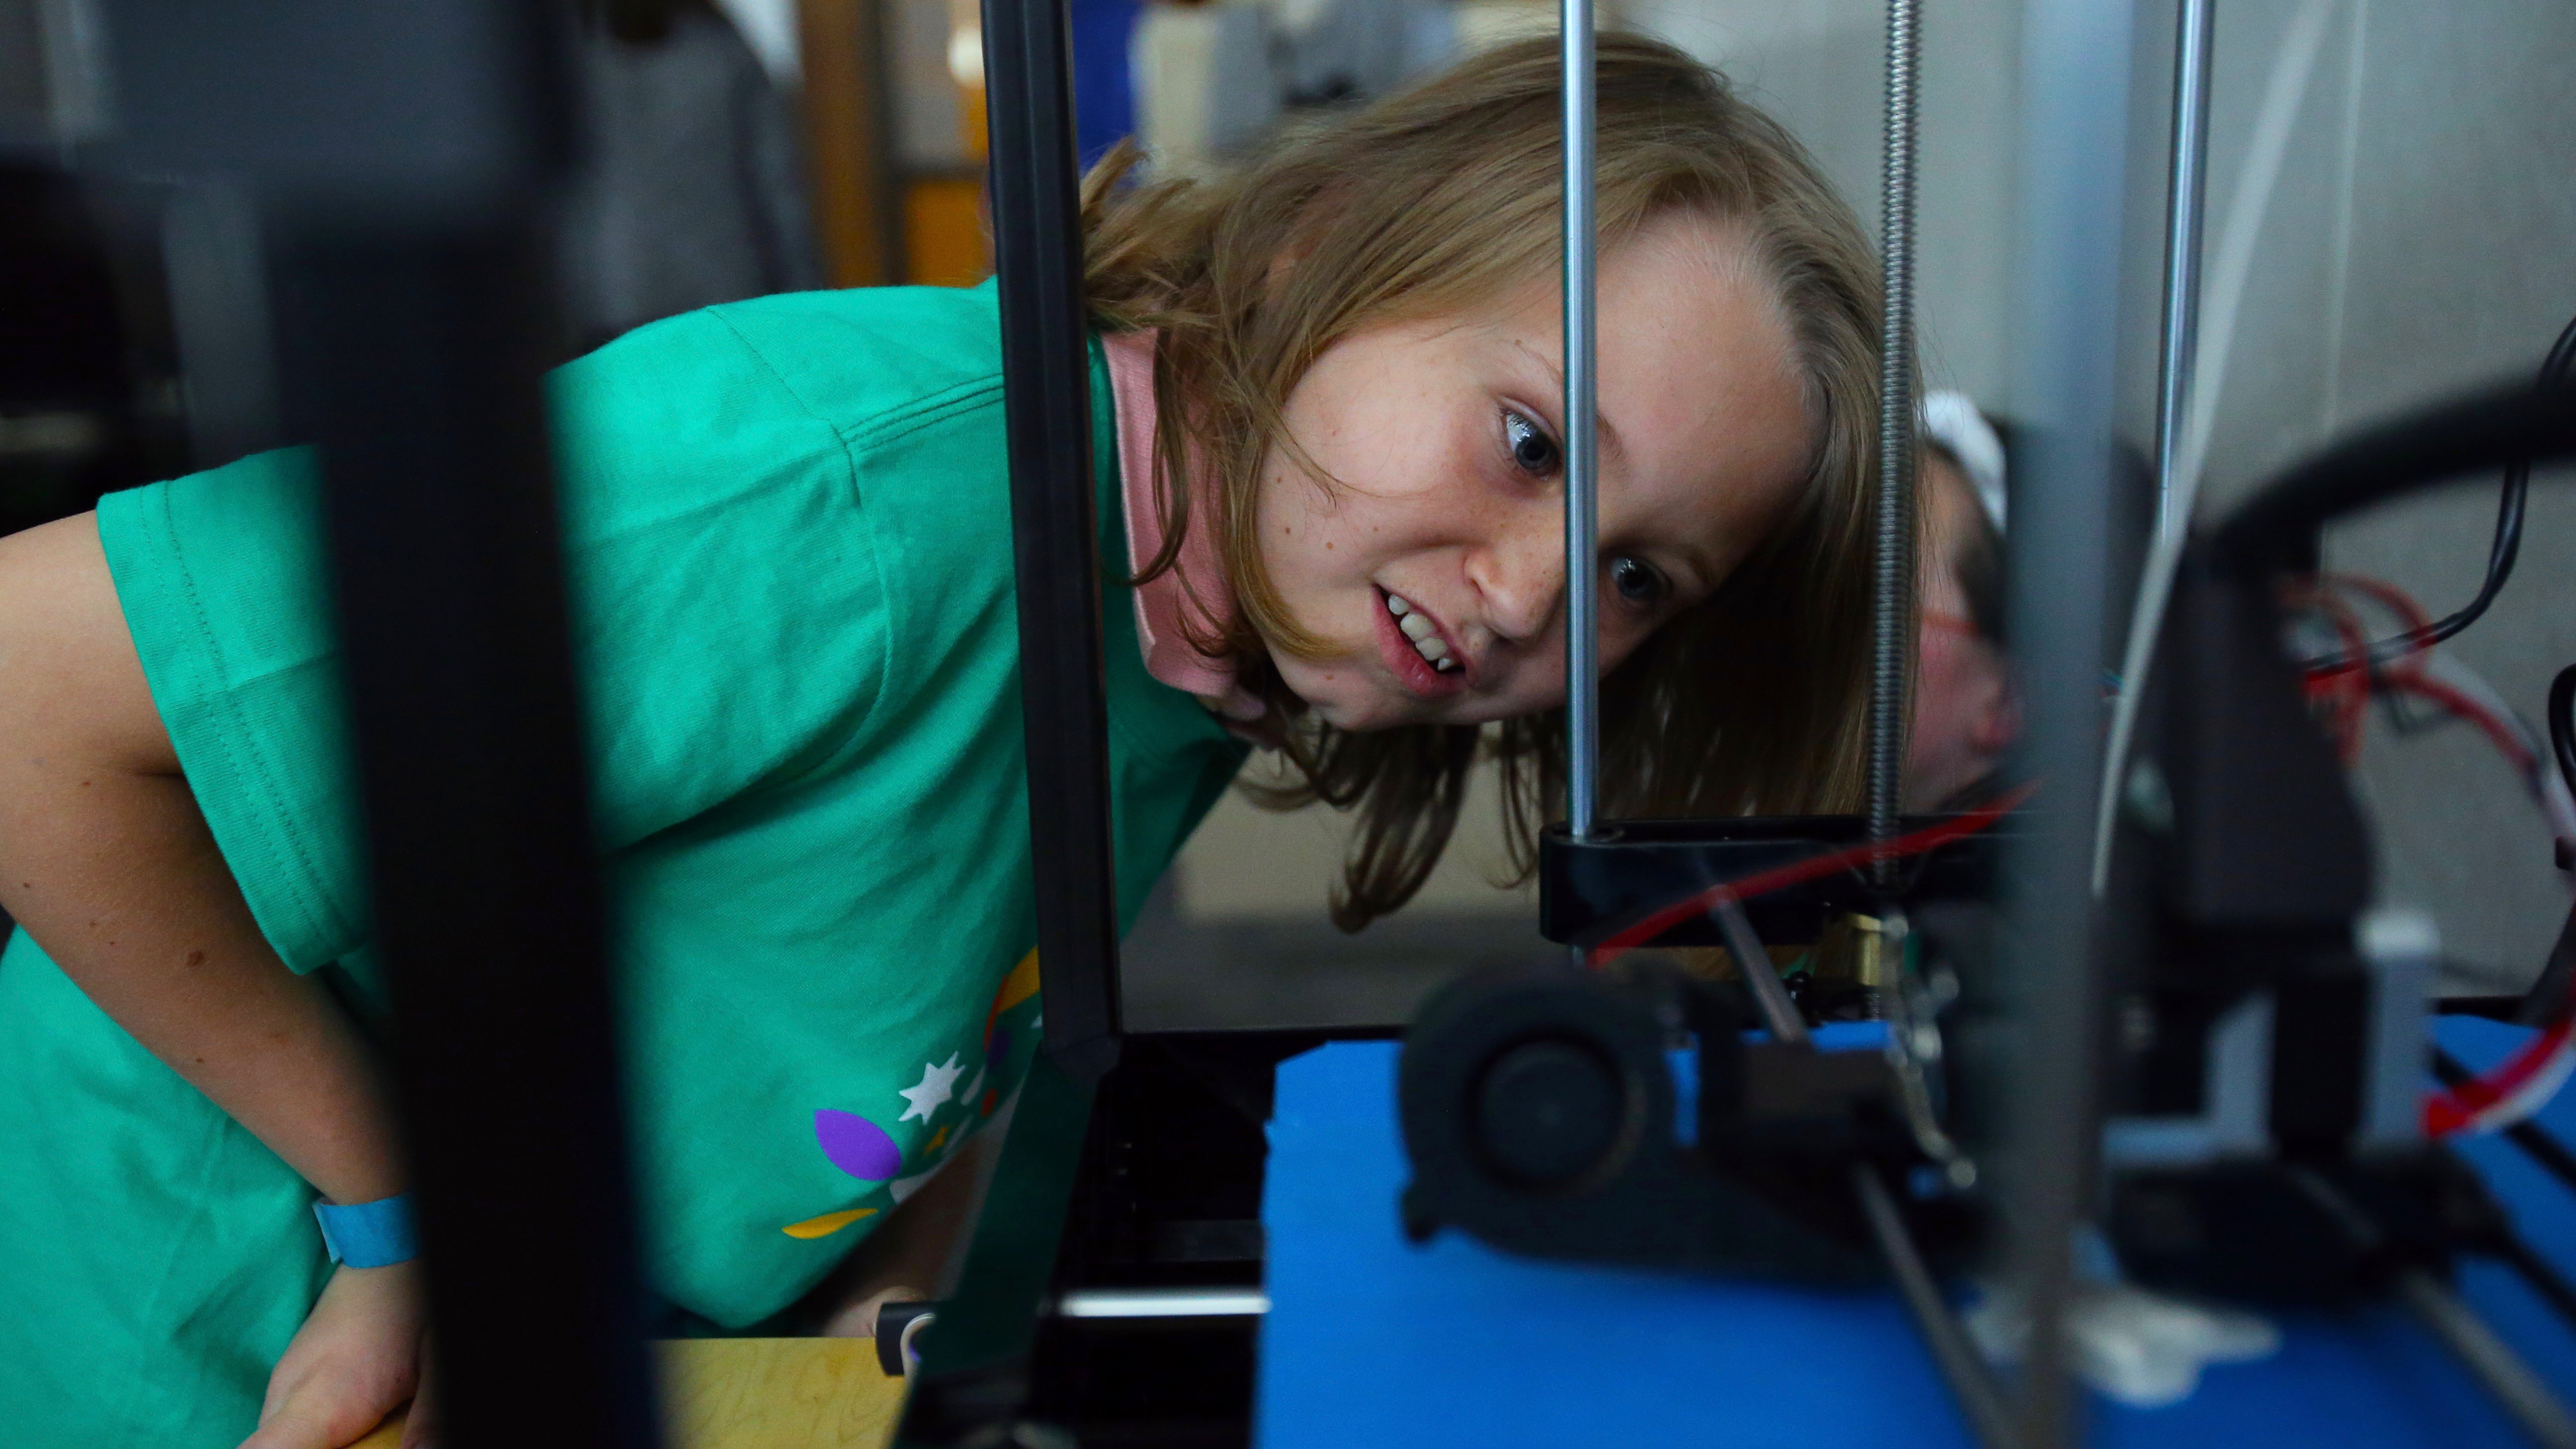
(2394, 176)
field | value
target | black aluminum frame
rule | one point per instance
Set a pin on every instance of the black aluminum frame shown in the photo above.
(401, 156)
(976, 1354)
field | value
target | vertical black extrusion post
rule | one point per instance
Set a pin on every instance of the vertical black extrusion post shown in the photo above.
(411, 361)
(975, 1356)
(1046, 366)
(402, 154)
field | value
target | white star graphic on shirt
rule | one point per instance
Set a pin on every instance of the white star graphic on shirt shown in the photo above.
(938, 1084)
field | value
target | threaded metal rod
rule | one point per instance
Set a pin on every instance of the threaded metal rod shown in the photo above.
(1582, 624)
(1892, 601)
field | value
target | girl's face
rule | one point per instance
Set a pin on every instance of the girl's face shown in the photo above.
(1433, 561)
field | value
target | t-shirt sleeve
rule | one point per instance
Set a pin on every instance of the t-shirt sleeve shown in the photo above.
(221, 576)
(724, 599)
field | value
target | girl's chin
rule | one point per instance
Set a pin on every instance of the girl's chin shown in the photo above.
(1361, 709)
(1393, 710)
(1357, 717)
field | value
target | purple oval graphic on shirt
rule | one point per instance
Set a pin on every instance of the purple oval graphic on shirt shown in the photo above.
(857, 1146)
(999, 1047)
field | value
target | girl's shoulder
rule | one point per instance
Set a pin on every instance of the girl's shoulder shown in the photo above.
(861, 360)
(742, 409)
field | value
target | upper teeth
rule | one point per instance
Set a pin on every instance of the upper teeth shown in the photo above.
(1424, 634)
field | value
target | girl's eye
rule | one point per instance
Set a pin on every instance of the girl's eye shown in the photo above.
(1532, 449)
(1638, 581)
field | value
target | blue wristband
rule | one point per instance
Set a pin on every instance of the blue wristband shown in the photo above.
(369, 1234)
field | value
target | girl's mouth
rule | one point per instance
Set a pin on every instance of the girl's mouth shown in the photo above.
(1416, 650)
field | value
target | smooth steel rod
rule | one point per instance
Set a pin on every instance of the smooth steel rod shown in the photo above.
(2187, 185)
(1961, 1366)
(1753, 963)
(2523, 1393)
(2071, 186)
(1582, 513)
(1892, 582)
(2489, 1359)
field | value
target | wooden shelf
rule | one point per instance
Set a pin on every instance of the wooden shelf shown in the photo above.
(763, 1393)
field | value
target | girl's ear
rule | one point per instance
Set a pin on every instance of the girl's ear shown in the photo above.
(1314, 221)
(1282, 263)
(1292, 253)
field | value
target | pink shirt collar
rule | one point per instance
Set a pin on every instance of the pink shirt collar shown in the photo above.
(1161, 602)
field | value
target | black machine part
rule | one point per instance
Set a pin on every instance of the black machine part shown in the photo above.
(1590, 888)
(2244, 851)
(401, 157)
(2240, 841)
(2265, 836)
(1541, 1115)
(1145, 1323)
(2250, 1231)
(974, 1374)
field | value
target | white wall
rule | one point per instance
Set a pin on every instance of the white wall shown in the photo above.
(1818, 65)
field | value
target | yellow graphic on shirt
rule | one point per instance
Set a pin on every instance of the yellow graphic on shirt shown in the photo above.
(828, 1224)
(1017, 987)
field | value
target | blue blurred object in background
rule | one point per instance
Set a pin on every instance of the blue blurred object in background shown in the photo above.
(1104, 94)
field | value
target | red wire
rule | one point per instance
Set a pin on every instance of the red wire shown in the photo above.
(1814, 867)
(2496, 730)
(2448, 1112)
(2349, 691)
(2418, 624)
(2406, 674)
(2445, 1112)
(2396, 600)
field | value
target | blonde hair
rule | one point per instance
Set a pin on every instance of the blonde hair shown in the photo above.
(1423, 205)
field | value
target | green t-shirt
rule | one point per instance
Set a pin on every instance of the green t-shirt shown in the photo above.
(788, 534)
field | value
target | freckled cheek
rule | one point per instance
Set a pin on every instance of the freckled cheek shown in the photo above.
(1619, 642)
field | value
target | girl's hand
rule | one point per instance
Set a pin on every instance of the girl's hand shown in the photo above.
(359, 1355)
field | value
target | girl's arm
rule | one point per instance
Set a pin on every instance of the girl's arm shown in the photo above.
(107, 862)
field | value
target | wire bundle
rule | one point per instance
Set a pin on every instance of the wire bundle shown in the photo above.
(2342, 686)
(2515, 1090)
(2501, 554)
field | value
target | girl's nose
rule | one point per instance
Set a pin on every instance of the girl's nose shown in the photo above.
(1520, 572)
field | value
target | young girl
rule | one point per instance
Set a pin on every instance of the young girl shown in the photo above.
(1327, 413)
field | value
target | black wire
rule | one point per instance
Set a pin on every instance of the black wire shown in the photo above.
(2501, 555)
(2275, 532)
(2562, 724)
(2535, 1141)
